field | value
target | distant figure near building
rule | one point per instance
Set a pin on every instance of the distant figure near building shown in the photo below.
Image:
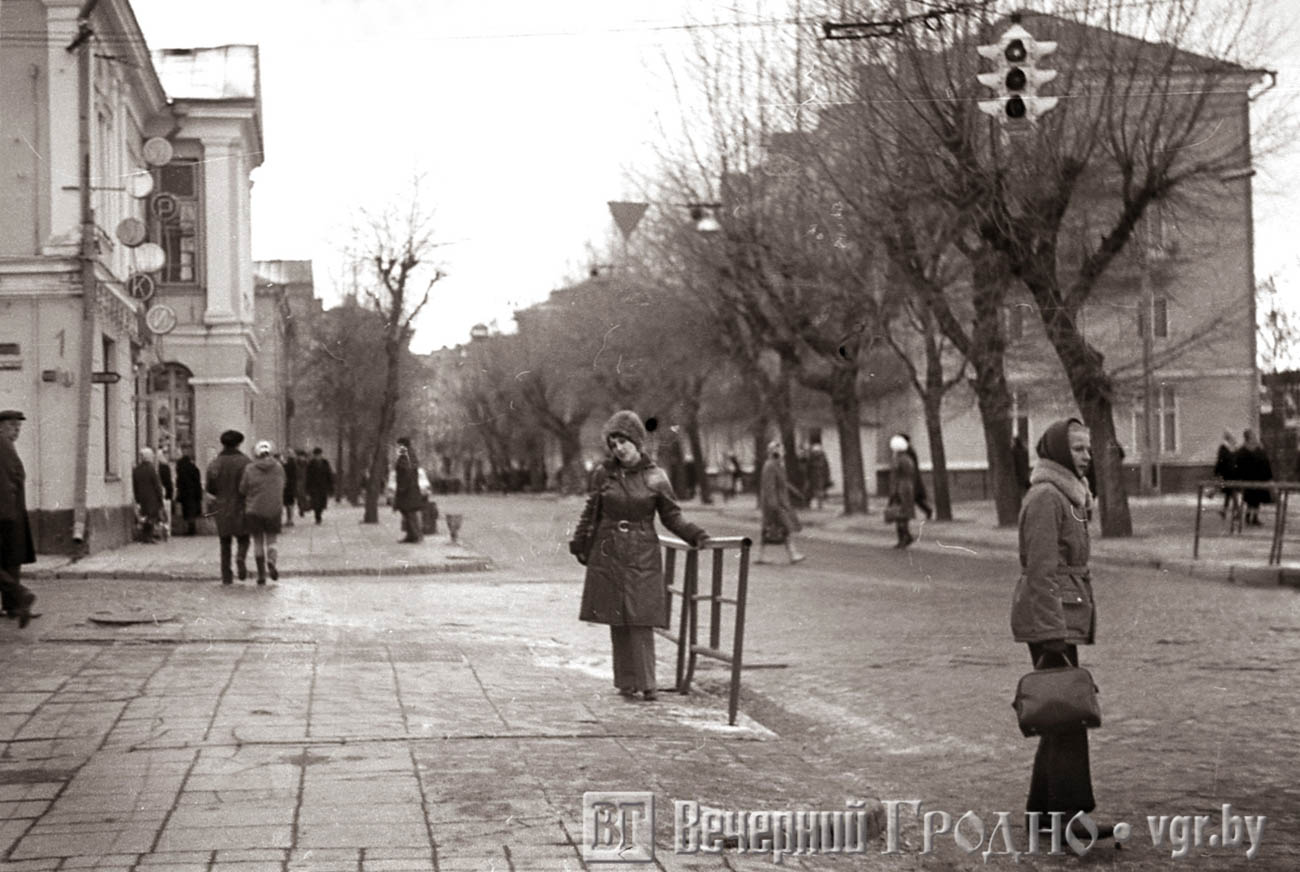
(779, 520)
(1252, 465)
(262, 487)
(224, 474)
(1020, 464)
(301, 461)
(16, 545)
(189, 491)
(902, 489)
(407, 499)
(819, 473)
(148, 490)
(320, 482)
(1225, 469)
(290, 496)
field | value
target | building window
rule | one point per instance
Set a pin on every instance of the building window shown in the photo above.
(109, 348)
(1165, 420)
(171, 402)
(1160, 318)
(174, 212)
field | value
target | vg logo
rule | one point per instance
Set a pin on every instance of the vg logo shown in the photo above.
(618, 826)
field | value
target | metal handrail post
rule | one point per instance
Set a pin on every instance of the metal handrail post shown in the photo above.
(738, 641)
(1196, 539)
(693, 625)
(715, 606)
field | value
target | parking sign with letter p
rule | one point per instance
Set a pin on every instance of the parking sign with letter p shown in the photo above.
(618, 826)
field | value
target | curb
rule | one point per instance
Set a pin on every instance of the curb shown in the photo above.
(471, 564)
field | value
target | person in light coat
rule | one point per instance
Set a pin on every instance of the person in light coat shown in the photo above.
(779, 520)
(1052, 609)
(147, 489)
(902, 489)
(617, 541)
(262, 487)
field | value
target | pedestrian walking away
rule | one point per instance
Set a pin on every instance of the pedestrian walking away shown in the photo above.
(901, 507)
(819, 474)
(301, 462)
(189, 491)
(407, 497)
(290, 496)
(1052, 608)
(262, 487)
(1225, 469)
(617, 541)
(148, 492)
(1251, 464)
(919, 496)
(320, 482)
(780, 522)
(16, 545)
(224, 474)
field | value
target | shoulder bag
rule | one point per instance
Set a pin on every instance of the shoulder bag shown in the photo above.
(1062, 697)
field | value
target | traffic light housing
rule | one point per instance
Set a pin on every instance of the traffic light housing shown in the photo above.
(1017, 77)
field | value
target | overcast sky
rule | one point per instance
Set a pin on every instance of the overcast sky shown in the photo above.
(523, 117)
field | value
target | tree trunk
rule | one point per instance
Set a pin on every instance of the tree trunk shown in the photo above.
(691, 407)
(760, 435)
(573, 478)
(846, 408)
(340, 481)
(987, 355)
(785, 423)
(354, 462)
(933, 403)
(387, 416)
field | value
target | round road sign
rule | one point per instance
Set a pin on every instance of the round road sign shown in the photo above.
(158, 151)
(149, 257)
(131, 232)
(139, 184)
(141, 287)
(160, 319)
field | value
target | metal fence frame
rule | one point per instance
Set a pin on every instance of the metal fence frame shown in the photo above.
(687, 636)
(1281, 493)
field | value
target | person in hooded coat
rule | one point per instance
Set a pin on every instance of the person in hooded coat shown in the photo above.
(902, 488)
(1251, 464)
(1052, 609)
(147, 489)
(189, 492)
(224, 474)
(1225, 468)
(407, 497)
(779, 521)
(617, 541)
(262, 486)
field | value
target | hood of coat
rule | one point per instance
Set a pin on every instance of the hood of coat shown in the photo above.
(1064, 480)
(266, 464)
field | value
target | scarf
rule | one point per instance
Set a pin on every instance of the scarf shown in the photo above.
(1064, 480)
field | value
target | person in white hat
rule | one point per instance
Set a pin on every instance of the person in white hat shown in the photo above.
(262, 486)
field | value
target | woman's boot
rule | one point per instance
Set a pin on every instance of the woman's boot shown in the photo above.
(270, 565)
(261, 570)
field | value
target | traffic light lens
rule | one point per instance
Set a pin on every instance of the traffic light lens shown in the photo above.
(1015, 108)
(1016, 79)
(1016, 51)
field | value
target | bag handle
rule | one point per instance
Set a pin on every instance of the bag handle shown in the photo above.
(1042, 658)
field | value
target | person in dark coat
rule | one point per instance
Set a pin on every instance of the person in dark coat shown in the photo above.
(148, 491)
(302, 461)
(819, 474)
(408, 499)
(616, 540)
(1225, 469)
(320, 482)
(16, 545)
(1052, 609)
(902, 489)
(189, 491)
(779, 520)
(290, 496)
(919, 495)
(224, 474)
(1251, 463)
(1020, 464)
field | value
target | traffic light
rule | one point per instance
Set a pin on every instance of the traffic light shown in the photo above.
(1017, 77)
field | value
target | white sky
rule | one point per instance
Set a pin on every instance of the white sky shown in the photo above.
(524, 117)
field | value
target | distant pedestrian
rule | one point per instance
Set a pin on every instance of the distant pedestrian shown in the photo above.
(919, 495)
(320, 482)
(779, 520)
(290, 496)
(224, 474)
(1225, 469)
(902, 489)
(1052, 609)
(148, 491)
(1251, 463)
(16, 545)
(262, 486)
(616, 540)
(407, 497)
(1020, 464)
(169, 492)
(301, 461)
(189, 492)
(819, 474)
(737, 475)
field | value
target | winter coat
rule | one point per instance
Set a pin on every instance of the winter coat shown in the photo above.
(407, 497)
(262, 486)
(290, 467)
(624, 584)
(16, 544)
(902, 484)
(819, 472)
(1252, 465)
(165, 476)
(189, 488)
(320, 482)
(224, 474)
(1225, 462)
(774, 498)
(1053, 598)
(148, 490)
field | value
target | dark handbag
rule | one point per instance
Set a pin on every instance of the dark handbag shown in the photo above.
(894, 511)
(1062, 697)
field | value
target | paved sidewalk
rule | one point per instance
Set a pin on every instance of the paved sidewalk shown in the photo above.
(1163, 535)
(340, 545)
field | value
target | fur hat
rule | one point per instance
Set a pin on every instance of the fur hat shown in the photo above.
(898, 442)
(627, 424)
(263, 448)
(232, 438)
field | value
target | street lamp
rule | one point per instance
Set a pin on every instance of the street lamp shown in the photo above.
(705, 216)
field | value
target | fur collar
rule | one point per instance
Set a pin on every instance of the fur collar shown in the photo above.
(1064, 480)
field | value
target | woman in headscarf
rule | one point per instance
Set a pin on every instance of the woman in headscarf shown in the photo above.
(902, 488)
(616, 540)
(780, 523)
(1251, 462)
(1052, 610)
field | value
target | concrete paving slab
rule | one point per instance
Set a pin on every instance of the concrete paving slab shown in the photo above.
(217, 838)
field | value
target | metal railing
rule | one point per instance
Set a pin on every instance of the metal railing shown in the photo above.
(1281, 493)
(686, 638)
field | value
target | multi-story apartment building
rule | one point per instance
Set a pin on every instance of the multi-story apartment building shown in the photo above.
(126, 281)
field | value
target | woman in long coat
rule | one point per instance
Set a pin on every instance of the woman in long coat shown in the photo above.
(1252, 465)
(1052, 610)
(407, 497)
(780, 523)
(189, 492)
(617, 541)
(902, 489)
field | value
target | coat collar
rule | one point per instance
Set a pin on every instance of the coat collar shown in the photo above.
(1064, 480)
(612, 464)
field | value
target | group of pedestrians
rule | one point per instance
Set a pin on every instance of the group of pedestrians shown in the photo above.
(1247, 462)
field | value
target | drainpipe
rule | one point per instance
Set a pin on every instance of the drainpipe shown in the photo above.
(89, 254)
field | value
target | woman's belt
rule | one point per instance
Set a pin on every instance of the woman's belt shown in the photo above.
(626, 525)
